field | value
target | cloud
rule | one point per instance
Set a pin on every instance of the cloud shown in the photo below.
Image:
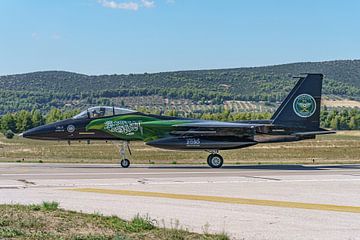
(147, 3)
(134, 6)
(55, 36)
(116, 5)
(35, 35)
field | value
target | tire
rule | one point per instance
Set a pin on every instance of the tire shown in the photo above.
(125, 163)
(208, 159)
(215, 161)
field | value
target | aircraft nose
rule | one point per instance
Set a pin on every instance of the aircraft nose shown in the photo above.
(34, 133)
(46, 132)
(52, 131)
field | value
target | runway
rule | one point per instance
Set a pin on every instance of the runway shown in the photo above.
(247, 202)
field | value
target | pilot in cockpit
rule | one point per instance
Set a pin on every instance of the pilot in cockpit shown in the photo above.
(97, 114)
(102, 112)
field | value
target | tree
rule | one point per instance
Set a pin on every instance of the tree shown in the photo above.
(352, 123)
(54, 115)
(23, 121)
(36, 118)
(8, 122)
(335, 123)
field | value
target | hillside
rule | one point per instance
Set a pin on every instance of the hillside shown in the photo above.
(43, 90)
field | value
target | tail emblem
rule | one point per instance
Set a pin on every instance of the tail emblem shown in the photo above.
(304, 105)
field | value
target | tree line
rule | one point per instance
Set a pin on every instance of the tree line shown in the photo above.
(58, 89)
(23, 120)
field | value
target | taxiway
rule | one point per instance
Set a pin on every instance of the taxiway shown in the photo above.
(247, 202)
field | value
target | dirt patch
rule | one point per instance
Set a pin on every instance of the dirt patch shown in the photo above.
(341, 103)
(349, 133)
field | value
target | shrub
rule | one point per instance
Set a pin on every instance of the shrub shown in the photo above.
(139, 224)
(50, 206)
(9, 134)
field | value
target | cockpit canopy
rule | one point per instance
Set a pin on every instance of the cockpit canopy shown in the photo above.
(102, 111)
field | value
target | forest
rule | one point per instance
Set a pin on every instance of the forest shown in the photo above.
(68, 91)
(32, 99)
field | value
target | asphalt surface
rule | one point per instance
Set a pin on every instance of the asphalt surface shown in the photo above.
(247, 202)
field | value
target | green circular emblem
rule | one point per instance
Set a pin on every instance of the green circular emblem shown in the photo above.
(304, 105)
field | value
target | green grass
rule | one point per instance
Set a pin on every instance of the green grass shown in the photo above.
(42, 222)
(50, 206)
(139, 224)
(340, 148)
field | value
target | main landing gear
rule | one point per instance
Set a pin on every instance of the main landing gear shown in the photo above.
(215, 160)
(125, 163)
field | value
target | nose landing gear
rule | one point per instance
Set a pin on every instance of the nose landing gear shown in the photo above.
(215, 160)
(125, 163)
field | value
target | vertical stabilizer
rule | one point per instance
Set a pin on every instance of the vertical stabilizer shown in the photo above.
(301, 108)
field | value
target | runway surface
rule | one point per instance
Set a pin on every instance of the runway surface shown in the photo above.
(247, 202)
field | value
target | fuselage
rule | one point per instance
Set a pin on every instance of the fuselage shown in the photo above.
(163, 132)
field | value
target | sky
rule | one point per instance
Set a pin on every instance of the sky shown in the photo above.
(137, 36)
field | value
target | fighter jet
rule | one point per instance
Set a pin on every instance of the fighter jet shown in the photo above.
(297, 118)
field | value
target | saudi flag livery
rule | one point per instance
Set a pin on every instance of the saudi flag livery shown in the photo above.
(134, 127)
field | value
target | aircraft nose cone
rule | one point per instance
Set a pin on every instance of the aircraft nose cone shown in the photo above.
(42, 132)
(32, 133)
(52, 131)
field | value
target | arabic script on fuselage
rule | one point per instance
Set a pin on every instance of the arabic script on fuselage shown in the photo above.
(123, 127)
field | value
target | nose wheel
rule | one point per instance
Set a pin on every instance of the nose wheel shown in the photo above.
(215, 160)
(125, 163)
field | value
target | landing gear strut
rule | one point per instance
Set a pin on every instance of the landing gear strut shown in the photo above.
(125, 163)
(215, 160)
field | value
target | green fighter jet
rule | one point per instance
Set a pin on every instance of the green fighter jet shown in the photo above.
(297, 118)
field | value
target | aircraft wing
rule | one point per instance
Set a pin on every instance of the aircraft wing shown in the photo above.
(215, 128)
(218, 124)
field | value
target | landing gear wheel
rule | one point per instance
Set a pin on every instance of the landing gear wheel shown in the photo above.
(215, 160)
(125, 163)
(208, 159)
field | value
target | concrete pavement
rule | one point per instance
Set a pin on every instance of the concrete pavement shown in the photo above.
(247, 202)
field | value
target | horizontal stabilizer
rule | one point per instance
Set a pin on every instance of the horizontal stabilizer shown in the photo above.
(303, 134)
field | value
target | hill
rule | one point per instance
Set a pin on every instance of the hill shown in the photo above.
(43, 90)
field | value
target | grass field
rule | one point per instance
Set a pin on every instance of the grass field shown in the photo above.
(47, 221)
(344, 147)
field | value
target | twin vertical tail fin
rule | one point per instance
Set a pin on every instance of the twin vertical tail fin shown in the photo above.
(301, 108)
